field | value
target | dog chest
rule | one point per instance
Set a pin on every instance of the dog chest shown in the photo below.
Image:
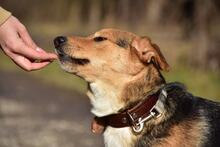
(119, 137)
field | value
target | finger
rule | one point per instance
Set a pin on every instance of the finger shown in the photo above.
(25, 63)
(31, 53)
(38, 49)
(43, 51)
(36, 66)
(24, 35)
(19, 60)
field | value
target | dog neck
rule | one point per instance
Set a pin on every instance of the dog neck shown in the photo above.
(104, 98)
(146, 83)
(108, 99)
(111, 98)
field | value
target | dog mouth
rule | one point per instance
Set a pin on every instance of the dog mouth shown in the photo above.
(79, 61)
(63, 57)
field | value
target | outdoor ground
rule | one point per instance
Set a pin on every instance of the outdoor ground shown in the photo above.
(36, 114)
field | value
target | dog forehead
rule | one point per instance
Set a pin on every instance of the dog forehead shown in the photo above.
(115, 34)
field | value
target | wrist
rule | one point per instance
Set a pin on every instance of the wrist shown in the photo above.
(4, 15)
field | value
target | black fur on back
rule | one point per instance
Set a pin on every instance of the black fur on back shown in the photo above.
(182, 106)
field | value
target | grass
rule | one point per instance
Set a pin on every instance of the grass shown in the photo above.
(200, 83)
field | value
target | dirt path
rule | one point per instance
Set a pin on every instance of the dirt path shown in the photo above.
(34, 114)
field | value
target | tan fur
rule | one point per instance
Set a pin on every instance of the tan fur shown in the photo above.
(116, 75)
(189, 133)
(117, 70)
(141, 85)
(119, 76)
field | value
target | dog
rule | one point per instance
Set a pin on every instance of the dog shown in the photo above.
(133, 104)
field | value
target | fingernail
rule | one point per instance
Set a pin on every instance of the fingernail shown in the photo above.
(39, 49)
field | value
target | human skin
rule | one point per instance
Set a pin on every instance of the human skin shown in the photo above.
(17, 44)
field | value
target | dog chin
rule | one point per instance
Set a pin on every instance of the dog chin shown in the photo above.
(66, 67)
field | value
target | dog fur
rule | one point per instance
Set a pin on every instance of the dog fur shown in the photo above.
(121, 69)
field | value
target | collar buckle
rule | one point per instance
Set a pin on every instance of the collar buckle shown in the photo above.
(138, 126)
(155, 112)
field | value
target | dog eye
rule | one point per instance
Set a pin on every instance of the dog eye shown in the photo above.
(99, 39)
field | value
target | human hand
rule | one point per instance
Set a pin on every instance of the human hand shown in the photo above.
(18, 45)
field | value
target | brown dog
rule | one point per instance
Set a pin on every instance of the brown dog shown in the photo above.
(133, 104)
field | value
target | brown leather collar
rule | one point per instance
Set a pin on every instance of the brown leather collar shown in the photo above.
(127, 118)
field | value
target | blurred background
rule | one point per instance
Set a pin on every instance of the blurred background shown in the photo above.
(49, 107)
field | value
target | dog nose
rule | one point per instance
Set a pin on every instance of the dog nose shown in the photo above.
(59, 40)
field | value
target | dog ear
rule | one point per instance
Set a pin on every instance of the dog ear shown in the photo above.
(149, 52)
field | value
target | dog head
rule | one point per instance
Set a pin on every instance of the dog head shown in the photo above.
(110, 60)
